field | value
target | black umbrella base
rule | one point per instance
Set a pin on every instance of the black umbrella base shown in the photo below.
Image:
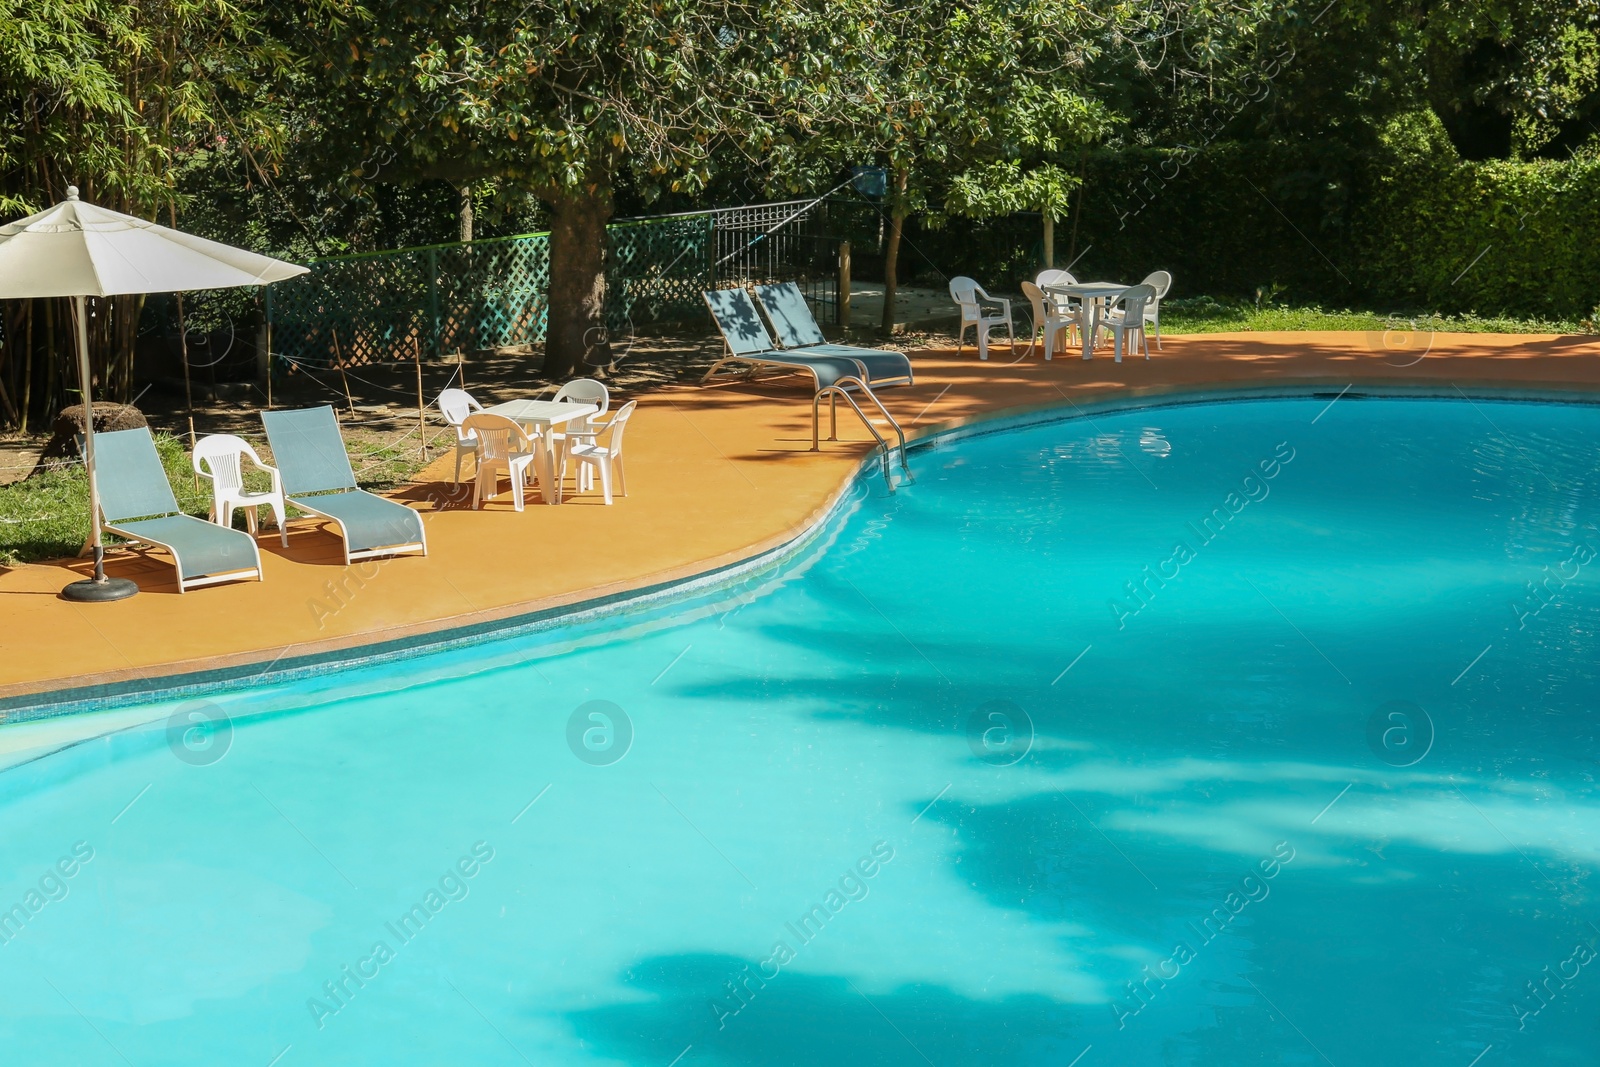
(90, 591)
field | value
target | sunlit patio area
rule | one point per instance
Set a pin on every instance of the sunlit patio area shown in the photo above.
(724, 475)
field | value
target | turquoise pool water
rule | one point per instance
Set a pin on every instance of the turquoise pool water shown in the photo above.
(970, 785)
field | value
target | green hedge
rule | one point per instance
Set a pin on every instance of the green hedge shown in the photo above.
(1398, 228)
(1531, 227)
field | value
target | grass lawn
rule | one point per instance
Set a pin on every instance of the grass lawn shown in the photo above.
(47, 516)
(1204, 314)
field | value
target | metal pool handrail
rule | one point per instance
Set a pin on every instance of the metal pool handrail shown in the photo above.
(833, 393)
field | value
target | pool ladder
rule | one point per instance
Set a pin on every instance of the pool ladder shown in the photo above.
(833, 393)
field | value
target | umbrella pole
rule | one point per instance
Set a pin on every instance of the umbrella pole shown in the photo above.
(99, 587)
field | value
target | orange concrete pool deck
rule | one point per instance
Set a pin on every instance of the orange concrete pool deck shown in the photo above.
(716, 475)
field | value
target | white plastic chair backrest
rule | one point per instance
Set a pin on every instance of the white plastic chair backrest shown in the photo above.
(498, 436)
(964, 291)
(1160, 281)
(586, 391)
(455, 405)
(1035, 297)
(220, 453)
(614, 428)
(1055, 277)
(1135, 298)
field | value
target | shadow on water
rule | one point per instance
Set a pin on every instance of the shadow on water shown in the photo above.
(1235, 681)
(1281, 981)
(1361, 937)
(800, 1020)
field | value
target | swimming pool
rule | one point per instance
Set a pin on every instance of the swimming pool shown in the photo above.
(1220, 734)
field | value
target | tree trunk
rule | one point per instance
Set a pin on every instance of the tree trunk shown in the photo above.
(1049, 241)
(575, 336)
(891, 254)
(183, 351)
(1077, 211)
(466, 214)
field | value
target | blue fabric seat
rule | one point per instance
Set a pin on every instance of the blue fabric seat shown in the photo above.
(836, 370)
(136, 502)
(310, 455)
(749, 343)
(799, 333)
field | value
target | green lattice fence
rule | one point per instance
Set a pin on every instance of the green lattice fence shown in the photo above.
(657, 268)
(487, 294)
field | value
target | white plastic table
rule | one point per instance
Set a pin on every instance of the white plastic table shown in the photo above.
(538, 417)
(1094, 295)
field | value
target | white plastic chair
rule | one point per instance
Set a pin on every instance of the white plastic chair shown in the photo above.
(582, 391)
(1128, 319)
(1160, 281)
(455, 405)
(970, 298)
(1051, 318)
(586, 391)
(605, 458)
(1058, 277)
(219, 458)
(502, 446)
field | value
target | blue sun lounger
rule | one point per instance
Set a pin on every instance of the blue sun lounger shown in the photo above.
(136, 502)
(749, 344)
(310, 455)
(797, 331)
(833, 375)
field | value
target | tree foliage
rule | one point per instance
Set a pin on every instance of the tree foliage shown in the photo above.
(312, 128)
(972, 107)
(565, 101)
(111, 97)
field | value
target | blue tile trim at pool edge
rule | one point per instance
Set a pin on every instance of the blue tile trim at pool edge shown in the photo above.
(637, 602)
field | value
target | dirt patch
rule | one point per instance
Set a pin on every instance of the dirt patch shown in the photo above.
(18, 456)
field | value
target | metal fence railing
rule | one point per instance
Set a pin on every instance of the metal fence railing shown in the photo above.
(396, 305)
(780, 242)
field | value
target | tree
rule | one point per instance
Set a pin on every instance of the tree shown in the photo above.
(1507, 78)
(564, 101)
(1006, 188)
(992, 91)
(110, 97)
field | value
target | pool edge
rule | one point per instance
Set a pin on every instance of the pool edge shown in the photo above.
(30, 702)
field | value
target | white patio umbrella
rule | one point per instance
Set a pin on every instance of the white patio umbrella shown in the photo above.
(78, 250)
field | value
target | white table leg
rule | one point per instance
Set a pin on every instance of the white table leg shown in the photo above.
(548, 487)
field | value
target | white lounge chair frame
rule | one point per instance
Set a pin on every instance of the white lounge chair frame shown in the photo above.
(841, 387)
